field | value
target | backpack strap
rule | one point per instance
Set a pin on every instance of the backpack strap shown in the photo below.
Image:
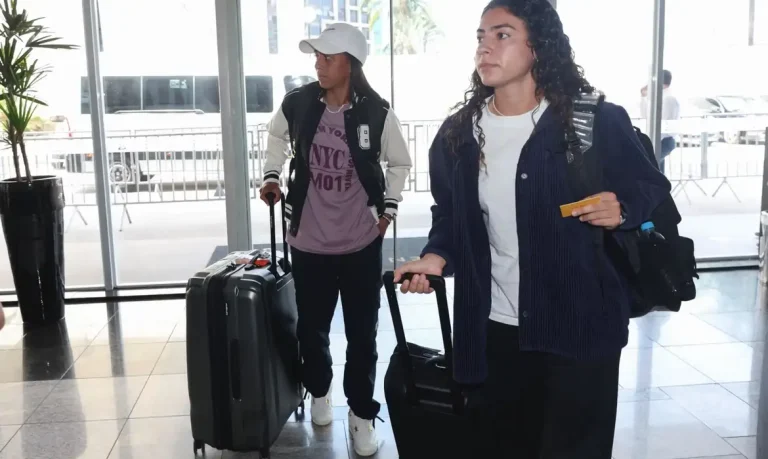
(648, 147)
(584, 173)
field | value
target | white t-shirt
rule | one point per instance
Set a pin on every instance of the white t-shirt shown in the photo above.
(505, 137)
(670, 108)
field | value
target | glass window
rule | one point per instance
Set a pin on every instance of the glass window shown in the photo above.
(367, 33)
(168, 93)
(207, 94)
(716, 165)
(699, 105)
(353, 16)
(85, 94)
(293, 81)
(352, 2)
(623, 77)
(168, 165)
(56, 153)
(761, 25)
(364, 19)
(272, 25)
(735, 104)
(122, 93)
(258, 94)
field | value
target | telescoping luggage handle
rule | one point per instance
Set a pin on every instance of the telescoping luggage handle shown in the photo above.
(273, 235)
(437, 283)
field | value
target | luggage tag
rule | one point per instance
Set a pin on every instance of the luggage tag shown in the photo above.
(258, 263)
(260, 260)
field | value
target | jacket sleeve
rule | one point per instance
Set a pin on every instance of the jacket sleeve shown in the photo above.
(639, 186)
(440, 241)
(398, 162)
(278, 147)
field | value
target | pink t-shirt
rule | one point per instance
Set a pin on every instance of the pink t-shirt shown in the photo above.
(335, 219)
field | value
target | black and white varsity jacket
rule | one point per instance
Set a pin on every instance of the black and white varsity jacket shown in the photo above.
(373, 136)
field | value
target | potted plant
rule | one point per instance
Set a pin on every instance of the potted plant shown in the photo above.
(31, 206)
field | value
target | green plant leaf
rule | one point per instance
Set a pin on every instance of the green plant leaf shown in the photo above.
(33, 100)
(20, 73)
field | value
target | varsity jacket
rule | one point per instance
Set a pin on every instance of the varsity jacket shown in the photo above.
(373, 136)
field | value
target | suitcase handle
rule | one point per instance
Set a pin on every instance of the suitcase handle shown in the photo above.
(437, 283)
(273, 235)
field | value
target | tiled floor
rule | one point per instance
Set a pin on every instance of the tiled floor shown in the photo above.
(111, 382)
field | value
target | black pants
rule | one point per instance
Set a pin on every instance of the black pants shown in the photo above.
(319, 279)
(668, 145)
(542, 406)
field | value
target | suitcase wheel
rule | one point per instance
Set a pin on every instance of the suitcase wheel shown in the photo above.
(264, 453)
(300, 411)
(199, 446)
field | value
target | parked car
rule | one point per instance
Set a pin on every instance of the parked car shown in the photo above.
(740, 108)
(695, 113)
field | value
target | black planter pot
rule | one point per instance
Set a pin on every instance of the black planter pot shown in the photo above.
(33, 224)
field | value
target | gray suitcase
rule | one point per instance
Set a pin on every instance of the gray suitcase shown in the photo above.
(242, 352)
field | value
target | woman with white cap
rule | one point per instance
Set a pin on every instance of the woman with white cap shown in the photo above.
(337, 132)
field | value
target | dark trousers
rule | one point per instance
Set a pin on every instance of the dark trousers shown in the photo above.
(319, 279)
(668, 145)
(542, 406)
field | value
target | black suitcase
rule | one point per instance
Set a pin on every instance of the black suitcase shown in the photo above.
(428, 411)
(242, 350)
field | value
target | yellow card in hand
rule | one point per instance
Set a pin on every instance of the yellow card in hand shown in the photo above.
(567, 209)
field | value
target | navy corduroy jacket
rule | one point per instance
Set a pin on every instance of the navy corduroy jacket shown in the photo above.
(565, 307)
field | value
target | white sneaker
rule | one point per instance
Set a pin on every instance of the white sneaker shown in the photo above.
(363, 435)
(322, 409)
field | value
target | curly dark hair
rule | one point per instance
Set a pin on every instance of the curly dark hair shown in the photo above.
(558, 78)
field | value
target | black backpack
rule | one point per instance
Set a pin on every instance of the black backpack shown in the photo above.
(660, 278)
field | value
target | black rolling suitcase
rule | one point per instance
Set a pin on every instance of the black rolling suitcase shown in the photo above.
(428, 412)
(242, 350)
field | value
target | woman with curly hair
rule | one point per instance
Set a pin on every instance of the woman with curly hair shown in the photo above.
(540, 316)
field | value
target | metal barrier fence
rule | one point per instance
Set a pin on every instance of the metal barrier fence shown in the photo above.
(185, 165)
(716, 155)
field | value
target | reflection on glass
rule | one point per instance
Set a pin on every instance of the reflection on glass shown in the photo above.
(120, 93)
(433, 49)
(163, 135)
(292, 82)
(258, 94)
(58, 144)
(207, 94)
(167, 93)
(717, 166)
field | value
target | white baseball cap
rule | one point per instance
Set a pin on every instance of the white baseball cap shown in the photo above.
(336, 39)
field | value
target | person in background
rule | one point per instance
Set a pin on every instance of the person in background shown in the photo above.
(339, 206)
(670, 110)
(2, 317)
(540, 317)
